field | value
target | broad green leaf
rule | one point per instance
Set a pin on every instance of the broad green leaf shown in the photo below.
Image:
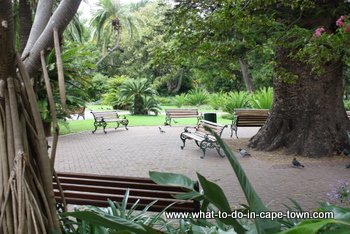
(217, 197)
(340, 213)
(253, 199)
(189, 196)
(166, 178)
(314, 226)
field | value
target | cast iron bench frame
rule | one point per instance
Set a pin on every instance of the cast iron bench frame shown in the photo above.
(248, 118)
(203, 138)
(91, 189)
(104, 117)
(181, 113)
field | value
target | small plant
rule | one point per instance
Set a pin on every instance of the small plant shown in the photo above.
(235, 100)
(216, 100)
(197, 97)
(151, 104)
(340, 193)
(262, 99)
(180, 100)
(347, 105)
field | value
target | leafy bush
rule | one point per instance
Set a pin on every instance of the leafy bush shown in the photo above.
(197, 97)
(262, 99)
(137, 90)
(347, 105)
(166, 101)
(216, 100)
(180, 100)
(151, 104)
(235, 100)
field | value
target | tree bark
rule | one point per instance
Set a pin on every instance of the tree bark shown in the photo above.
(42, 16)
(246, 77)
(60, 19)
(25, 22)
(308, 116)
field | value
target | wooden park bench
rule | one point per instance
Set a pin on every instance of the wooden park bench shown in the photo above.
(248, 118)
(79, 111)
(203, 138)
(104, 117)
(90, 189)
(181, 113)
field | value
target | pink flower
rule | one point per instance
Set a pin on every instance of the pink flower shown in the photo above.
(318, 32)
(340, 21)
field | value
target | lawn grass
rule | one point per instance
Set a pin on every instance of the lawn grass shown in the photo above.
(74, 126)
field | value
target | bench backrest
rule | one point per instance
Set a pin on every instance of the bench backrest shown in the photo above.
(77, 111)
(181, 112)
(89, 189)
(218, 128)
(106, 115)
(251, 117)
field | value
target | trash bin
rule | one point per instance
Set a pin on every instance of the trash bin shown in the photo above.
(210, 117)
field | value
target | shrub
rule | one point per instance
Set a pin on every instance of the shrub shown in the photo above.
(197, 97)
(347, 105)
(165, 101)
(216, 100)
(235, 100)
(180, 100)
(151, 104)
(262, 99)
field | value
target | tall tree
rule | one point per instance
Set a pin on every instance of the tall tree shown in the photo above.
(308, 115)
(27, 204)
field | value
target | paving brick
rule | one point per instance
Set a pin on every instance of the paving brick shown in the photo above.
(141, 149)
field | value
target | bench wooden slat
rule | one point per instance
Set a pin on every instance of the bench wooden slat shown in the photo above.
(181, 113)
(90, 189)
(248, 118)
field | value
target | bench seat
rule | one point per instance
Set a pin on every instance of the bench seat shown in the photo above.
(103, 117)
(203, 138)
(90, 189)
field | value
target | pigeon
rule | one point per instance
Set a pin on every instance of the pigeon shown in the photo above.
(347, 166)
(244, 153)
(161, 130)
(296, 163)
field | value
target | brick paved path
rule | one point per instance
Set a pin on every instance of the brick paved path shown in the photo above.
(141, 149)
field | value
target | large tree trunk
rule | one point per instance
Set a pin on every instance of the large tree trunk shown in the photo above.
(308, 116)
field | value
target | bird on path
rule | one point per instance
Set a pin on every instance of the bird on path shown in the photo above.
(244, 153)
(161, 130)
(296, 163)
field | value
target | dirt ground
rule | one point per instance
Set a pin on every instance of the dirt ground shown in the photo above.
(280, 158)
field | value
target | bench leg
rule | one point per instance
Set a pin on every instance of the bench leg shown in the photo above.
(234, 128)
(183, 138)
(104, 125)
(220, 151)
(125, 123)
(117, 126)
(167, 121)
(203, 145)
(95, 124)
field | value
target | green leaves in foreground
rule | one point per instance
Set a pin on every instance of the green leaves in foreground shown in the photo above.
(253, 199)
(113, 222)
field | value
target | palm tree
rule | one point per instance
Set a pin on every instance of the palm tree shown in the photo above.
(137, 89)
(110, 21)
